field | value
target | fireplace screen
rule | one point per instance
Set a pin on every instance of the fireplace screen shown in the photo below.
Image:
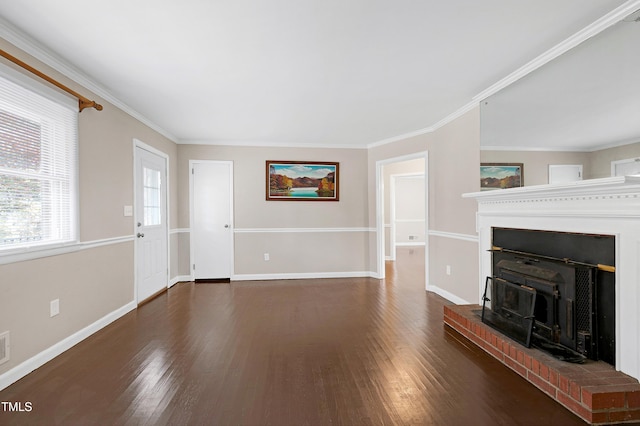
(512, 309)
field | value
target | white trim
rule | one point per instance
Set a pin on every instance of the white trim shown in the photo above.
(595, 148)
(56, 251)
(26, 367)
(299, 230)
(447, 295)
(618, 214)
(180, 231)
(534, 149)
(28, 45)
(261, 144)
(453, 235)
(303, 276)
(448, 119)
(409, 220)
(419, 243)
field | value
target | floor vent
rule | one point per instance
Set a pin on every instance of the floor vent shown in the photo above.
(4, 347)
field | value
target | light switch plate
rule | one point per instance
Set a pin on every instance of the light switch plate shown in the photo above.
(128, 211)
(54, 308)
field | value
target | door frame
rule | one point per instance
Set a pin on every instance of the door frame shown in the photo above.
(380, 211)
(138, 144)
(191, 220)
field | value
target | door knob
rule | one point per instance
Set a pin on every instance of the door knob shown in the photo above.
(226, 226)
(140, 235)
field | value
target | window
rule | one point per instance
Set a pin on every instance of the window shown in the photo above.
(152, 195)
(38, 144)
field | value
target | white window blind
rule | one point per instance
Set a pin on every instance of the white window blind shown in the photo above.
(38, 157)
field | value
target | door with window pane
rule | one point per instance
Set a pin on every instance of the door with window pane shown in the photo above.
(151, 224)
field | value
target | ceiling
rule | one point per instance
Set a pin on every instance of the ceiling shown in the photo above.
(334, 73)
(587, 99)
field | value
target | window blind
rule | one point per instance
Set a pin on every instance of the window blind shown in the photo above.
(38, 163)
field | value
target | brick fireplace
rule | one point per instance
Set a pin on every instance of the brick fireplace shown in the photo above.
(599, 392)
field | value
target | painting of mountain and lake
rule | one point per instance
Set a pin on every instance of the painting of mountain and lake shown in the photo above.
(302, 181)
(501, 176)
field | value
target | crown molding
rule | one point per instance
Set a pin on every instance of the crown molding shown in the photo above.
(594, 148)
(589, 31)
(449, 118)
(31, 47)
(534, 148)
(601, 24)
(264, 144)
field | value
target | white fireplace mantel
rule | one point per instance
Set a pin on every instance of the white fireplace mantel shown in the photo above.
(609, 206)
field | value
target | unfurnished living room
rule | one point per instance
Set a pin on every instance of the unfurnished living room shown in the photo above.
(313, 213)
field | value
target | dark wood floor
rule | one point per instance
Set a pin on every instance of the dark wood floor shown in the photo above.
(311, 352)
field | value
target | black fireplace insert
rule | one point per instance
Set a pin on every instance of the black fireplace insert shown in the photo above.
(556, 301)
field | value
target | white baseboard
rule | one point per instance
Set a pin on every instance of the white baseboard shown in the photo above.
(303, 275)
(449, 296)
(50, 353)
(178, 279)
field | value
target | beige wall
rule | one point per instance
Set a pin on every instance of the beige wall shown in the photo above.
(596, 164)
(290, 252)
(93, 282)
(600, 161)
(454, 156)
(536, 163)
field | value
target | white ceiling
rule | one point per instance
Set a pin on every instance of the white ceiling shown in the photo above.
(585, 100)
(337, 73)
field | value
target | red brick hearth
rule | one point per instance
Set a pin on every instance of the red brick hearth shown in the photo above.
(594, 391)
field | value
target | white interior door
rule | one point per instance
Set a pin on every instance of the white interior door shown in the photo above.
(564, 173)
(152, 268)
(211, 219)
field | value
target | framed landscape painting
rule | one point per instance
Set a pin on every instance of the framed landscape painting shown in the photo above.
(302, 181)
(501, 176)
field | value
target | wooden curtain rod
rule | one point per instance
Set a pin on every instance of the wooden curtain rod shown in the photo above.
(82, 101)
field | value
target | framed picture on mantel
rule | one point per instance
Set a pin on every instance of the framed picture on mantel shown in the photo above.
(501, 176)
(302, 181)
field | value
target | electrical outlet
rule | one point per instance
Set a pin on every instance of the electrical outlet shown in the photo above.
(266, 257)
(54, 307)
(448, 269)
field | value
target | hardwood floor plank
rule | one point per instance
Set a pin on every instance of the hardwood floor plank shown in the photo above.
(307, 352)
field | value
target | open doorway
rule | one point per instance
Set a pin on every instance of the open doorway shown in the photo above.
(406, 208)
(412, 166)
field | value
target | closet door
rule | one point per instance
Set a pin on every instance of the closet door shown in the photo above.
(212, 219)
